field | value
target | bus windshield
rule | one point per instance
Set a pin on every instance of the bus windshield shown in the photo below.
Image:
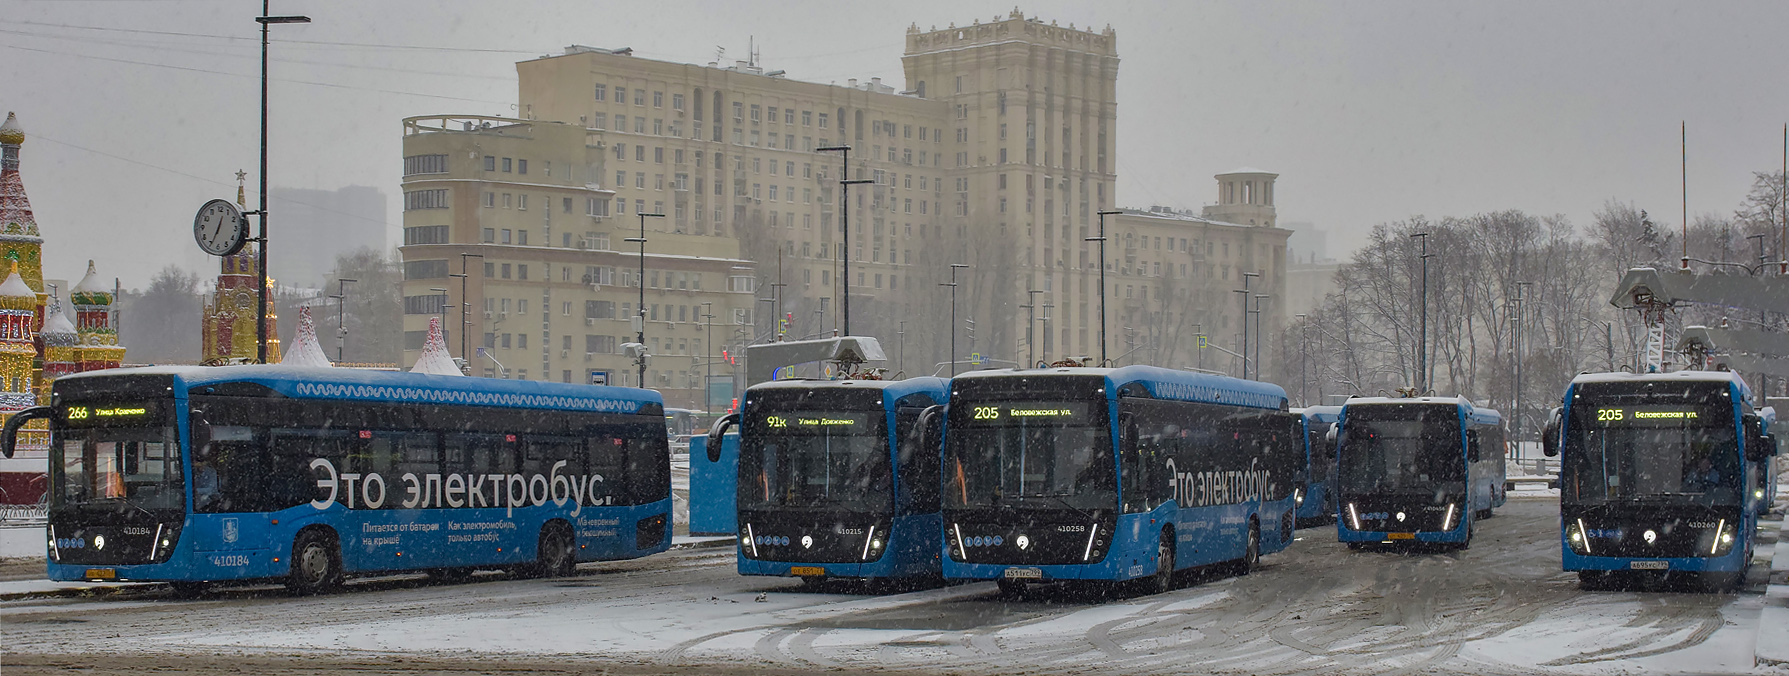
(124, 456)
(1402, 449)
(814, 459)
(1030, 455)
(1682, 451)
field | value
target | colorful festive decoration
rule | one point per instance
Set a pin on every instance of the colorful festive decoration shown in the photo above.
(229, 315)
(38, 345)
(305, 350)
(434, 358)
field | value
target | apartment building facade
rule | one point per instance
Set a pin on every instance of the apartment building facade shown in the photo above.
(998, 153)
(509, 239)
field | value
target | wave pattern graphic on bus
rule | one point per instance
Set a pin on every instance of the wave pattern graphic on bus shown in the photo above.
(1213, 394)
(439, 396)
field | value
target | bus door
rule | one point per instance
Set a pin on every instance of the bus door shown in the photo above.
(229, 497)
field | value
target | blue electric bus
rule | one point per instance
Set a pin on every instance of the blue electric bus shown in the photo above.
(837, 479)
(1764, 485)
(193, 475)
(1317, 502)
(1132, 473)
(1657, 475)
(1416, 470)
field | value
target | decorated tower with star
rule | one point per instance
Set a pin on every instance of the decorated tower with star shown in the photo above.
(227, 335)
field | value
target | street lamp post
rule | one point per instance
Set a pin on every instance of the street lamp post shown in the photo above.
(465, 311)
(708, 355)
(845, 184)
(1102, 281)
(1247, 277)
(953, 315)
(341, 303)
(901, 359)
(1258, 298)
(1422, 349)
(640, 281)
(1047, 307)
(1303, 356)
(266, 19)
(1030, 322)
(1520, 314)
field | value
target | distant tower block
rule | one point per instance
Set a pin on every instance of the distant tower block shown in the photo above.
(1245, 197)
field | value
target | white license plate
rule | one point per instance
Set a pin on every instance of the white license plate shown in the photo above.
(1649, 565)
(1024, 574)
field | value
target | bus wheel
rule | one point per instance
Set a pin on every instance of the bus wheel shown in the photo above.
(316, 563)
(555, 556)
(188, 590)
(1593, 580)
(1163, 580)
(1252, 554)
(1011, 588)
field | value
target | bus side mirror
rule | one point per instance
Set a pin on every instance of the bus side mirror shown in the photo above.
(10, 435)
(928, 428)
(716, 431)
(1550, 434)
(1334, 435)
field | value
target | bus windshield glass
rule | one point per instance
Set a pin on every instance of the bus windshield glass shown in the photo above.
(1680, 448)
(814, 459)
(116, 455)
(1402, 449)
(1029, 455)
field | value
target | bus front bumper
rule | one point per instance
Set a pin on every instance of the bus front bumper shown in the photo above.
(1733, 561)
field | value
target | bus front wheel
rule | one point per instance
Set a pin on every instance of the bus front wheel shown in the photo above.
(1163, 580)
(557, 556)
(316, 563)
(1251, 555)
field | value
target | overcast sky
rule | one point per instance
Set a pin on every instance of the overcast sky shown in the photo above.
(1370, 112)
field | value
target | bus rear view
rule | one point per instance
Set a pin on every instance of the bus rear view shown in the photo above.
(1416, 470)
(1654, 476)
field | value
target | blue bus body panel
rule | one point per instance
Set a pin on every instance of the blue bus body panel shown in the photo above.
(246, 546)
(915, 540)
(1319, 498)
(714, 487)
(1484, 488)
(1204, 535)
(1736, 559)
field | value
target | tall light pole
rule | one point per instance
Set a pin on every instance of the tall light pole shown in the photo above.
(1102, 281)
(1247, 277)
(341, 306)
(845, 184)
(1303, 356)
(953, 315)
(1422, 350)
(1516, 348)
(1047, 307)
(1258, 298)
(708, 355)
(465, 311)
(266, 19)
(1031, 323)
(901, 359)
(641, 281)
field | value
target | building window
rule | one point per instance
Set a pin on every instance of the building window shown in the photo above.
(425, 234)
(490, 163)
(658, 99)
(425, 199)
(425, 164)
(602, 91)
(506, 165)
(490, 236)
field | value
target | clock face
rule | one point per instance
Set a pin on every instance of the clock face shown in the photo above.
(220, 228)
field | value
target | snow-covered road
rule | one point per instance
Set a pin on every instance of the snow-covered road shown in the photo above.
(1503, 607)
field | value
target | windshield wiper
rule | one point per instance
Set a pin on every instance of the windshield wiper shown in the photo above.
(120, 500)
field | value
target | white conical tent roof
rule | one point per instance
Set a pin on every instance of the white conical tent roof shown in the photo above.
(305, 350)
(435, 359)
(57, 329)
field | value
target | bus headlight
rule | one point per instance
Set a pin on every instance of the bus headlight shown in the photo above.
(1578, 537)
(1447, 521)
(1722, 541)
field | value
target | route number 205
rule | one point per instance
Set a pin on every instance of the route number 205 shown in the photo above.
(987, 413)
(1610, 414)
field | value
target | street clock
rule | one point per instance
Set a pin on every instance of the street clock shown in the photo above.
(220, 228)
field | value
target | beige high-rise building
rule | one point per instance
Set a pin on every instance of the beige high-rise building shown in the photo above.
(999, 152)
